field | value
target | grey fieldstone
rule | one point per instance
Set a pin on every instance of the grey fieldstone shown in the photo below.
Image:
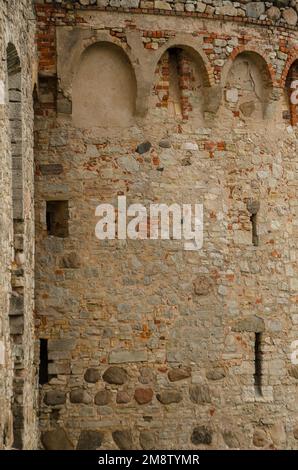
(199, 394)
(92, 375)
(290, 16)
(90, 440)
(122, 397)
(215, 374)
(166, 397)
(255, 9)
(102, 398)
(201, 435)
(230, 439)
(123, 439)
(147, 440)
(144, 147)
(122, 355)
(202, 285)
(56, 439)
(251, 324)
(115, 375)
(80, 396)
(179, 373)
(55, 397)
(273, 13)
(293, 372)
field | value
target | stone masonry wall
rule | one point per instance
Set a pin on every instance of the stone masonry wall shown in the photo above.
(18, 391)
(147, 345)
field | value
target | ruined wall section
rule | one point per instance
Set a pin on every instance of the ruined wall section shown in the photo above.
(147, 345)
(18, 391)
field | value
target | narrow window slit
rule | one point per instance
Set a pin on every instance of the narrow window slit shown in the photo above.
(253, 207)
(43, 361)
(258, 364)
(255, 238)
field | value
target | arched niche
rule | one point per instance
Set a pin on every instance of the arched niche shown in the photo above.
(248, 87)
(104, 88)
(291, 94)
(178, 88)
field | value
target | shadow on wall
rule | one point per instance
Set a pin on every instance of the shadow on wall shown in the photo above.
(104, 88)
(178, 89)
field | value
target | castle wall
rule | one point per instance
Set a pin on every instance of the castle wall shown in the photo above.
(144, 343)
(18, 401)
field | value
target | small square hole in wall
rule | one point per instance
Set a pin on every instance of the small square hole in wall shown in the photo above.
(57, 216)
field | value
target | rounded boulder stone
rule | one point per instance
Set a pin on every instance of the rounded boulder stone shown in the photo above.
(92, 375)
(143, 395)
(179, 373)
(147, 440)
(123, 439)
(260, 438)
(90, 440)
(57, 439)
(201, 435)
(122, 397)
(167, 397)
(102, 398)
(115, 375)
(80, 396)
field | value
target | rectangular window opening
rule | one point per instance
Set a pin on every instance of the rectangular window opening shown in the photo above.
(57, 217)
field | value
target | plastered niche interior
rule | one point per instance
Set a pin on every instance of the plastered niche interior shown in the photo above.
(290, 95)
(177, 92)
(247, 88)
(104, 88)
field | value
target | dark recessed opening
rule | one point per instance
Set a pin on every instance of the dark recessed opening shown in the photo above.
(258, 364)
(57, 216)
(255, 237)
(43, 361)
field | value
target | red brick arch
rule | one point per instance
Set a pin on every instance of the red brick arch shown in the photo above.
(248, 49)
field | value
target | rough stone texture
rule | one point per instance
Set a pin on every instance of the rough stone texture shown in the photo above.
(123, 397)
(115, 375)
(260, 438)
(179, 373)
(151, 308)
(92, 375)
(90, 440)
(231, 439)
(103, 397)
(54, 397)
(147, 440)
(201, 435)
(293, 372)
(18, 65)
(123, 439)
(199, 394)
(215, 374)
(56, 439)
(80, 396)
(143, 395)
(168, 397)
(232, 134)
